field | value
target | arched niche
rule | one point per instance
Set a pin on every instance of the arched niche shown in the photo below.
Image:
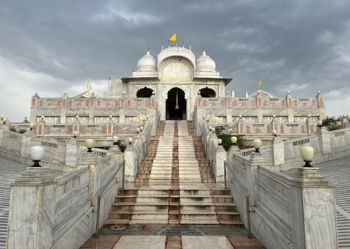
(207, 93)
(144, 93)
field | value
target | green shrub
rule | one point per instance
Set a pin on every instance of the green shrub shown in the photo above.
(223, 132)
(12, 128)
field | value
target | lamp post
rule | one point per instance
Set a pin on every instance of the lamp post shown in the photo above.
(257, 145)
(90, 144)
(141, 128)
(36, 153)
(130, 140)
(138, 130)
(307, 153)
(4, 119)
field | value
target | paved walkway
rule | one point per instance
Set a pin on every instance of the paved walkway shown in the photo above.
(338, 173)
(9, 170)
(172, 242)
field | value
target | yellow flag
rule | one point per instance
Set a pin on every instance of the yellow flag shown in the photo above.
(260, 84)
(173, 37)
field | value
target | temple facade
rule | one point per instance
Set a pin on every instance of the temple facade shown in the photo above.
(176, 85)
(175, 79)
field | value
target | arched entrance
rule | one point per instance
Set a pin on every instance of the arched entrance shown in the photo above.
(207, 93)
(144, 93)
(176, 104)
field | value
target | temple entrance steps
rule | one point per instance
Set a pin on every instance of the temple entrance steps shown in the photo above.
(174, 185)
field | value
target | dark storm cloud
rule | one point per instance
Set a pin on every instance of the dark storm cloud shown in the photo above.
(301, 45)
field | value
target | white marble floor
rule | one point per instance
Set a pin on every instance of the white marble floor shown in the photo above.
(158, 242)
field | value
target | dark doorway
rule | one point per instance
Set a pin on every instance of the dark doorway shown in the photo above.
(144, 93)
(176, 105)
(207, 93)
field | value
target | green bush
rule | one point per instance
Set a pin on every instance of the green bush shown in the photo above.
(12, 128)
(224, 133)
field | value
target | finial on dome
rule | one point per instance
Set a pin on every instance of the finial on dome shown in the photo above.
(204, 53)
(148, 53)
(190, 48)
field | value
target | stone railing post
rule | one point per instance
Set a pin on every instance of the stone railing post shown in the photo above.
(130, 163)
(326, 141)
(32, 207)
(252, 177)
(313, 213)
(72, 152)
(278, 151)
(220, 158)
(230, 154)
(92, 185)
(26, 142)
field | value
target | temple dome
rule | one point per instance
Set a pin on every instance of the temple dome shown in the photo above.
(205, 63)
(147, 63)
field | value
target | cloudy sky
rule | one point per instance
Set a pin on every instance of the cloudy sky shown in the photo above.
(52, 47)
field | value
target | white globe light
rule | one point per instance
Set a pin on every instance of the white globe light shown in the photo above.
(130, 140)
(234, 139)
(257, 143)
(274, 132)
(115, 139)
(219, 141)
(90, 143)
(37, 152)
(307, 152)
(141, 128)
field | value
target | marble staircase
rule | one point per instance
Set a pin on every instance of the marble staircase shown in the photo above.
(174, 185)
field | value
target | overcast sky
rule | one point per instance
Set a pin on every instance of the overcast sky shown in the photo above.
(52, 47)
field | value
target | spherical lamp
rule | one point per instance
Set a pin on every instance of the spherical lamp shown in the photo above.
(90, 143)
(31, 126)
(115, 140)
(75, 134)
(36, 153)
(307, 153)
(219, 141)
(319, 123)
(257, 145)
(234, 139)
(274, 133)
(130, 140)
